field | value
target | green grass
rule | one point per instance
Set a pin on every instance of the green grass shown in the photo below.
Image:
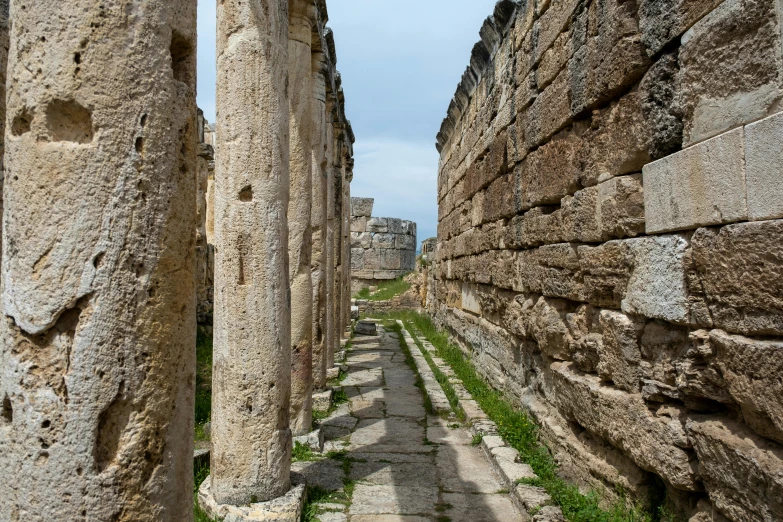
(386, 290)
(203, 384)
(441, 377)
(521, 433)
(302, 453)
(200, 473)
(338, 397)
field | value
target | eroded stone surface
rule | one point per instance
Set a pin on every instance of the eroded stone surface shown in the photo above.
(98, 330)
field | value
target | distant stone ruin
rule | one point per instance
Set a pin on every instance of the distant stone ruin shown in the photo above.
(382, 249)
(610, 232)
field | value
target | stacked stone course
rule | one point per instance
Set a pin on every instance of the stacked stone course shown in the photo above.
(382, 249)
(608, 240)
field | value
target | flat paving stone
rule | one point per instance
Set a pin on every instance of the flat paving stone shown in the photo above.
(465, 469)
(327, 474)
(402, 474)
(406, 465)
(393, 500)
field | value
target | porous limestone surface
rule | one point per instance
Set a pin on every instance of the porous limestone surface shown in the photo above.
(99, 320)
(251, 444)
(286, 508)
(405, 464)
(301, 18)
(608, 252)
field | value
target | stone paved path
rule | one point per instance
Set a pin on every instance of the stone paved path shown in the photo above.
(405, 465)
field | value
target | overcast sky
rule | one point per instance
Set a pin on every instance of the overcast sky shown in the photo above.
(400, 61)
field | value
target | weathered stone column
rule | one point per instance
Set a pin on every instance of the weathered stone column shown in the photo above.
(4, 41)
(318, 218)
(339, 197)
(335, 213)
(347, 246)
(251, 438)
(300, 27)
(97, 337)
(330, 237)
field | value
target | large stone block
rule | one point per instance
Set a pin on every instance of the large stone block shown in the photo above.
(551, 270)
(372, 258)
(500, 199)
(357, 259)
(612, 58)
(620, 354)
(538, 226)
(395, 225)
(738, 276)
(620, 209)
(657, 287)
(742, 472)
(764, 168)
(409, 227)
(731, 66)
(579, 216)
(390, 259)
(550, 112)
(751, 371)
(663, 21)
(605, 271)
(407, 260)
(701, 185)
(359, 224)
(362, 207)
(659, 92)
(618, 141)
(383, 240)
(653, 441)
(378, 225)
(552, 171)
(405, 242)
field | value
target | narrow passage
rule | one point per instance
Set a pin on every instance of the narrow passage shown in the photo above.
(400, 463)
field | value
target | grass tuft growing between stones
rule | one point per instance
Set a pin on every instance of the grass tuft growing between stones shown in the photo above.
(386, 290)
(521, 433)
(200, 473)
(441, 377)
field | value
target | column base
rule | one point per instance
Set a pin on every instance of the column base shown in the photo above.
(287, 508)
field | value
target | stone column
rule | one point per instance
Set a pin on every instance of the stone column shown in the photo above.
(97, 339)
(300, 28)
(347, 246)
(329, 246)
(251, 438)
(4, 41)
(339, 197)
(318, 218)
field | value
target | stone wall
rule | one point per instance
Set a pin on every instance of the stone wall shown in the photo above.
(609, 241)
(382, 249)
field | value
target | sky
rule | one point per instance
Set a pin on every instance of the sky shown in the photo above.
(401, 61)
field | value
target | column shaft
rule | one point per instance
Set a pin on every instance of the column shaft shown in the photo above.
(97, 336)
(318, 221)
(251, 438)
(301, 19)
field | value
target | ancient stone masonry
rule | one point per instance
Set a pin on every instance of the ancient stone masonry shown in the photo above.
(609, 240)
(381, 248)
(99, 303)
